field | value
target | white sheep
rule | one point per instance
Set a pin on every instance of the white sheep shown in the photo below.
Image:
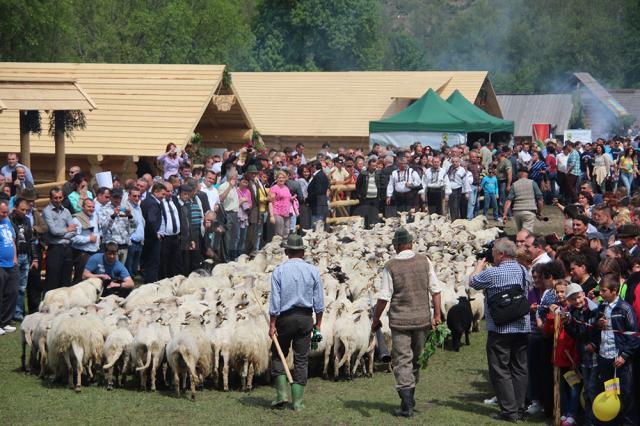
(353, 339)
(78, 343)
(117, 352)
(27, 328)
(189, 353)
(250, 346)
(83, 294)
(148, 351)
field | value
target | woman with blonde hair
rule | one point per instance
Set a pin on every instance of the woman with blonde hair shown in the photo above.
(280, 205)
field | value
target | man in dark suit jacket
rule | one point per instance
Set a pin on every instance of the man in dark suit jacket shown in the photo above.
(368, 193)
(317, 195)
(153, 219)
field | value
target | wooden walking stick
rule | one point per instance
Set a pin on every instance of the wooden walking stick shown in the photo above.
(556, 371)
(274, 338)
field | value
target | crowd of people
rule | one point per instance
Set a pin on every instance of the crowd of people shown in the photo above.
(176, 215)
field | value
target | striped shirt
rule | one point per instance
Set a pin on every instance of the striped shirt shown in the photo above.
(495, 280)
(535, 171)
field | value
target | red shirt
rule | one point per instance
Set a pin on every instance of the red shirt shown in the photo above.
(551, 163)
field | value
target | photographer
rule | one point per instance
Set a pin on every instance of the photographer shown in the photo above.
(106, 266)
(508, 335)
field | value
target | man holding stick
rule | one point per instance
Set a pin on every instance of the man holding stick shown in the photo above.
(296, 293)
(410, 285)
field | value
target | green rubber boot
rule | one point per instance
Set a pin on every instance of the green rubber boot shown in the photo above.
(297, 393)
(281, 392)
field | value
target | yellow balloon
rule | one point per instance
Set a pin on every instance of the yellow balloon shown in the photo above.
(606, 406)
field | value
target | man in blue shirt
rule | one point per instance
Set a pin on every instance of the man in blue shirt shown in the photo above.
(9, 278)
(296, 292)
(107, 267)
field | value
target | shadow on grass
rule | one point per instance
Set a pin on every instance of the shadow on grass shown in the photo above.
(364, 408)
(464, 403)
(255, 401)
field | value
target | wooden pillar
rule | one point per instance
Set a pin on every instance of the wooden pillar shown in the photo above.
(25, 143)
(59, 146)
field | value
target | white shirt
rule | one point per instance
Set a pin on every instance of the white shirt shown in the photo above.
(434, 179)
(212, 195)
(386, 290)
(166, 227)
(524, 157)
(561, 162)
(543, 258)
(399, 179)
(457, 180)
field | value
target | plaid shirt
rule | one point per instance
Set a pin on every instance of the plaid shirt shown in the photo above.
(573, 163)
(497, 279)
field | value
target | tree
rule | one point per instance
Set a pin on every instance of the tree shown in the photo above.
(327, 35)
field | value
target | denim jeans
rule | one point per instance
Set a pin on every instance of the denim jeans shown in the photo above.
(490, 201)
(626, 179)
(262, 219)
(590, 385)
(23, 271)
(606, 371)
(133, 258)
(472, 202)
(569, 396)
(231, 235)
(502, 188)
(242, 240)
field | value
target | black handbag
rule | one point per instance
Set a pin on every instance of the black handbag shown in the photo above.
(510, 304)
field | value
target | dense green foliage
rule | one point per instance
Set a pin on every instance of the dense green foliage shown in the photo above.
(527, 45)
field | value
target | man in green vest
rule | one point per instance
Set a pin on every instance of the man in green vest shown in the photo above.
(526, 201)
(411, 288)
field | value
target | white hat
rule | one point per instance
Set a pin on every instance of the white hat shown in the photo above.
(216, 168)
(572, 289)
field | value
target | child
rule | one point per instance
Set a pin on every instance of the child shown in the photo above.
(583, 311)
(615, 350)
(544, 321)
(489, 185)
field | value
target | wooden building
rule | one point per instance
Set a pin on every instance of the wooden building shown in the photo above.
(335, 107)
(141, 108)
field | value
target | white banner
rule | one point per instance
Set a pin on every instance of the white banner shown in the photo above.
(575, 135)
(406, 139)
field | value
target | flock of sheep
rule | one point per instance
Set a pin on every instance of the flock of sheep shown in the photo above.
(208, 325)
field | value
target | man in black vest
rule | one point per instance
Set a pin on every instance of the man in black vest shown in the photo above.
(410, 285)
(317, 195)
(367, 193)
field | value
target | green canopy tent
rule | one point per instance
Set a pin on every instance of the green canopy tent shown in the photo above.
(430, 120)
(495, 124)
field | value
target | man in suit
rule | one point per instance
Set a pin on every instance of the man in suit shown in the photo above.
(317, 195)
(151, 211)
(170, 262)
(254, 212)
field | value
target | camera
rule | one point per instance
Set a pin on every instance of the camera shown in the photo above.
(486, 253)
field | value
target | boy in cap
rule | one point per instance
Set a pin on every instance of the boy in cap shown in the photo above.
(582, 316)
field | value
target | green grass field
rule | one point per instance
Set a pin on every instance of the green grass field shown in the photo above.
(450, 392)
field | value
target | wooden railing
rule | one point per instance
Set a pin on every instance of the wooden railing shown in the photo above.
(340, 206)
(43, 192)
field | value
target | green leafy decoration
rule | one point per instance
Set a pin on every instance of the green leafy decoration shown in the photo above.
(226, 79)
(436, 338)
(73, 120)
(31, 122)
